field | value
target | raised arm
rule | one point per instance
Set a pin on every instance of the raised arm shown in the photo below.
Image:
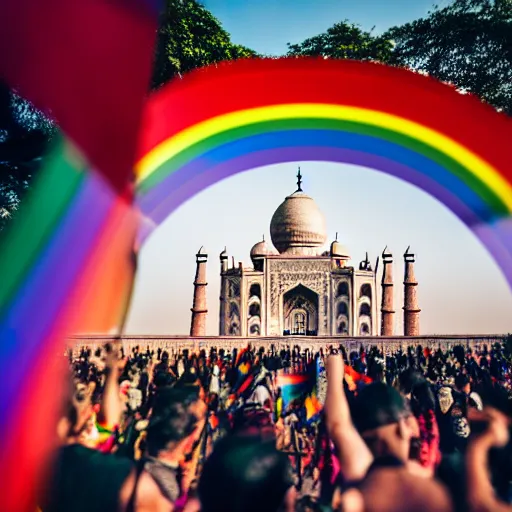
(481, 495)
(111, 407)
(354, 456)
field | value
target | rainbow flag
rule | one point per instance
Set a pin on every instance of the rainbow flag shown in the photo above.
(244, 384)
(278, 408)
(313, 407)
(312, 402)
(303, 385)
(293, 386)
(241, 355)
(353, 378)
(69, 270)
(68, 262)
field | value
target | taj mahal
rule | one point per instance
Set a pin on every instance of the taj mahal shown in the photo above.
(300, 286)
(301, 289)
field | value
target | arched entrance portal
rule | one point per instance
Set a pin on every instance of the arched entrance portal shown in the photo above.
(300, 312)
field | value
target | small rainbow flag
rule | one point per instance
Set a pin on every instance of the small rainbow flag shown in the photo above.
(312, 403)
(240, 355)
(353, 378)
(293, 386)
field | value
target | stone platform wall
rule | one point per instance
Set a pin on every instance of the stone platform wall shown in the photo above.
(176, 344)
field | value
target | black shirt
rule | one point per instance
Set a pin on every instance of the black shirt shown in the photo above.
(86, 480)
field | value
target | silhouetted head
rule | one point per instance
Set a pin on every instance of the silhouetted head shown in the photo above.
(244, 474)
(462, 383)
(384, 419)
(176, 420)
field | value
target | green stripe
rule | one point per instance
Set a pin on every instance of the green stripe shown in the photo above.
(246, 131)
(41, 213)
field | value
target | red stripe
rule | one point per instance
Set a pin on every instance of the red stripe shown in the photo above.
(255, 83)
(106, 278)
(89, 63)
(245, 385)
(291, 380)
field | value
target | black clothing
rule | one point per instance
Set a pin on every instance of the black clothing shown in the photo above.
(451, 472)
(85, 480)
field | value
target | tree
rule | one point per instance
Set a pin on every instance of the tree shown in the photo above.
(25, 134)
(190, 37)
(345, 40)
(468, 43)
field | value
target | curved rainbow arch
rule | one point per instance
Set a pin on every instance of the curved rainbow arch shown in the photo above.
(227, 119)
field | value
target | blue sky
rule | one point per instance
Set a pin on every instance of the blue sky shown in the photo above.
(461, 290)
(268, 25)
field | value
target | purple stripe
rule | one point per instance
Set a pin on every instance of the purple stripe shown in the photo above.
(155, 6)
(311, 138)
(47, 288)
(175, 197)
(496, 237)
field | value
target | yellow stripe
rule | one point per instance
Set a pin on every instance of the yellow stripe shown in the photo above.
(190, 136)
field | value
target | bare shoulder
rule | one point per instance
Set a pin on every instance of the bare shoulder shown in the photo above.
(405, 492)
(148, 496)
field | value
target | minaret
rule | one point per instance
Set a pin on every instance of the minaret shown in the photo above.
(223, 260)
(387, 316)
(199, 311)
(411, 309)
(223, 290)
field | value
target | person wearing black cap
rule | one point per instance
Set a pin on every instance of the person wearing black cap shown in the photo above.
(373, 440)
(244, 474)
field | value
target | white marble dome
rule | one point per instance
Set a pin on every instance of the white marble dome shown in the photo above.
(298, 226)
(261, 249)
(339, 251)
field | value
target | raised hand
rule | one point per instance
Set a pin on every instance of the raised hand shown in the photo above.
(335, 366)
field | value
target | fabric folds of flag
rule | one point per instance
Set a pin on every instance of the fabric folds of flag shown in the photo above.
(70, 270)
(313, 404)
(89, 64)
(301, 386)
(354, 378)
(68, 262)
(240, 358)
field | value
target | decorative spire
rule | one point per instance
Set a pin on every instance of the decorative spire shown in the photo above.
(386, 256)
(408, 256)
(263, 237)
(365, 264)
(336, 236)
(387, 310)
(299, 181)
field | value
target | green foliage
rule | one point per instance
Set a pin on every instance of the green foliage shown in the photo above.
(190, 37)
(24, 137)
(345, 41)
(468, 43)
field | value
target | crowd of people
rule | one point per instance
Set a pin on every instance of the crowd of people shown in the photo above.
(289, 430)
